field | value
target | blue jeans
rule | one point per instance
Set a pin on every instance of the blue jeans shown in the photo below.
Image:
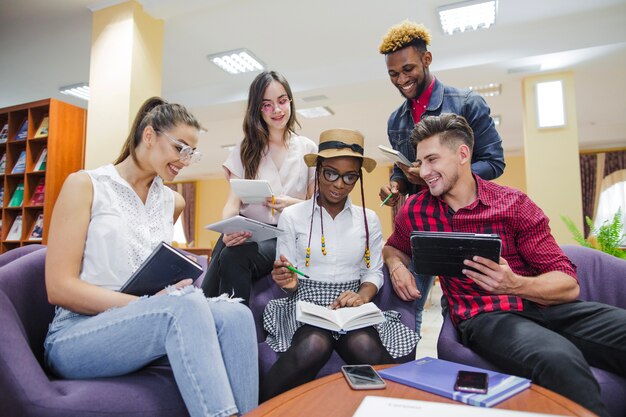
(423, 283)
(211, 347)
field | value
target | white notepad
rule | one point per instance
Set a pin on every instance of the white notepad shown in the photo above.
(395, 156)
(251, 191)
(260, 231)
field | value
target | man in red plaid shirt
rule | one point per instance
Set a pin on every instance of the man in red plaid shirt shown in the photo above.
(521, 313)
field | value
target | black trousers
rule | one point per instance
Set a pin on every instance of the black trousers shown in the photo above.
(233, 268)
(554, 346)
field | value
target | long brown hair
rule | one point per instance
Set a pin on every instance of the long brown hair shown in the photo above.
(255, 130)
(159, 114)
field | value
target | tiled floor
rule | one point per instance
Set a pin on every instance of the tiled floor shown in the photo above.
(431, 324)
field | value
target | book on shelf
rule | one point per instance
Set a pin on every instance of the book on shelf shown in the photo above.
(22, 133)
(18, 196)
(16, 229)
(165, 266)
(1, 195)
(20, 165)
(339, 320)
(37, 231)
(40, 165)
(4, 133)
(0, 227)
(38, 196)
(3, 163)
(438, 376)
(42, 130)
(374, 406)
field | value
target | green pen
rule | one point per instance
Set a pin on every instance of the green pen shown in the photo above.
(292, 269)
(386, 199)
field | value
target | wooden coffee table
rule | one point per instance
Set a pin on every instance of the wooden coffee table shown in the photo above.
(332, 397)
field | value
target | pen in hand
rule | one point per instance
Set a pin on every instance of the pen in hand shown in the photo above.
(292, 269)
(386, 199)
(273, 201)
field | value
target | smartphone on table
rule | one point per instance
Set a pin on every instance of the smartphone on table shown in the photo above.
(362, 377)
(475, 382)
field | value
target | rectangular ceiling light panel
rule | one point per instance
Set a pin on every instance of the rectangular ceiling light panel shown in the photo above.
(237, 61)
(467, 15)
(77, 90)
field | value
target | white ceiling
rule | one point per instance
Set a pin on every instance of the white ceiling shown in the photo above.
(329, 47)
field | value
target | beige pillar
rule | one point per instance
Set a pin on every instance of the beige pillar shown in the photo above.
(551, 157)
(125, 69)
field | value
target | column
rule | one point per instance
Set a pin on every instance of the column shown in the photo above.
(125, 69)
(551, 158)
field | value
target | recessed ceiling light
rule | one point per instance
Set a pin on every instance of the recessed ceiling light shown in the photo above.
(229, 147)
(496, 120)
(488, 90)
(314, 112)
(237, 61)
(467, 15)
(77, 90)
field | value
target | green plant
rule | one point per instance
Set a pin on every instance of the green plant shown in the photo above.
(606, 238)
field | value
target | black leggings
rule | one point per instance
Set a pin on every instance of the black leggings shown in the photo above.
(311, 348)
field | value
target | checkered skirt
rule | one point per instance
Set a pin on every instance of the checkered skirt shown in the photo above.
(279, 317)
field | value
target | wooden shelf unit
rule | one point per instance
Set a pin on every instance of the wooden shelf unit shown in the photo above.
(65, 144)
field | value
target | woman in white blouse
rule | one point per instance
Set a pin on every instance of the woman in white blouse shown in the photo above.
(105, 223)
(339, 247)
(272, 151)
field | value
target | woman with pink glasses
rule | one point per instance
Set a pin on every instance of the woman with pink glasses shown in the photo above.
(270, 150)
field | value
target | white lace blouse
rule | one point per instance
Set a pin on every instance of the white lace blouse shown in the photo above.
(123, 230)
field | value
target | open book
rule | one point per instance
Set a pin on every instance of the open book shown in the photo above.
(340, 320)
(395, 156)
(251, 191)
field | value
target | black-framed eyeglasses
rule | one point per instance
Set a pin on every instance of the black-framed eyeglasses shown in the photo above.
(331, 175)
(282, 103)
(185, 151)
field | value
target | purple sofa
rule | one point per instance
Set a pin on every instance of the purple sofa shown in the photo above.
(602, 278)
(25, 386)
(264, 290)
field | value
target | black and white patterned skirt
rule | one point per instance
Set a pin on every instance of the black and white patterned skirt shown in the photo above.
(279, 317)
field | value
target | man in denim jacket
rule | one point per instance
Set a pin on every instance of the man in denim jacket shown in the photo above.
(408, 61)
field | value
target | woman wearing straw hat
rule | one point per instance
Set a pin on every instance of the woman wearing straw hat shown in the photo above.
(338, 246)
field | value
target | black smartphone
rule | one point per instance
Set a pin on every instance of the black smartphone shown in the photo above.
(362, 377)
(476, 382)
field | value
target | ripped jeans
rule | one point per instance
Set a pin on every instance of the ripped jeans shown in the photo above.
(211, 347)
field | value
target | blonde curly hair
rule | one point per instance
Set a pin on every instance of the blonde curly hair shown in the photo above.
(402, 35)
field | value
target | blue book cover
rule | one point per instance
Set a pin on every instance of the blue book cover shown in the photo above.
(438, 376)
(23, 132)
(20, 165)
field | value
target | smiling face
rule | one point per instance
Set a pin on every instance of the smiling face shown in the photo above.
(276, 106)
(408, 70)
(166, 158)
(441, 165)
(333, 194)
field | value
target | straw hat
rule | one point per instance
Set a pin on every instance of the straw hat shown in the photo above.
(340, 142)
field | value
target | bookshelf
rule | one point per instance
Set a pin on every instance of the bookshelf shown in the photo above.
(64, 144)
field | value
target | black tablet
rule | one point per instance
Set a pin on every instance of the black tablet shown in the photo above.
(443, 253)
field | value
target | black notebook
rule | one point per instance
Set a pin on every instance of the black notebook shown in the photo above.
(165, 266)
(443, 253)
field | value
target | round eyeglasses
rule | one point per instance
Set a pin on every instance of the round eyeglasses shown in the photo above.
(268, 106)
(331, 175)
(186, 152)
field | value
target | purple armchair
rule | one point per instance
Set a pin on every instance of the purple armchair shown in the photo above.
(265, 290)
(602, 278)
(27, 390)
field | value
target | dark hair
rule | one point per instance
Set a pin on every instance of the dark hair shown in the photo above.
(451, 128)
(159, 114)
(255, 130)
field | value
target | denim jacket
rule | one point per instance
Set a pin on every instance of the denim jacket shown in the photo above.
(487, 156)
